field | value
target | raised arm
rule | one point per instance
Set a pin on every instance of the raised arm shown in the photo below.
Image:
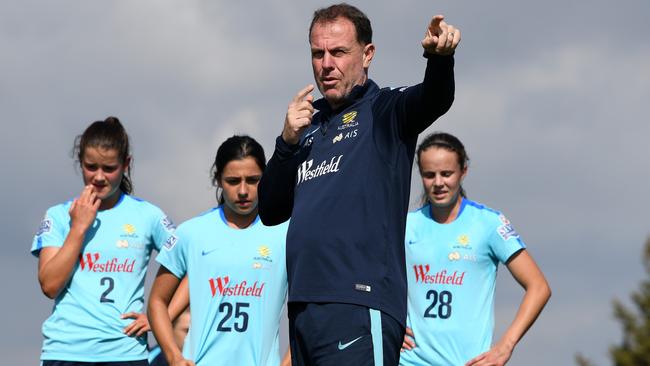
(425, 102)
(524, 269)
(56, 264)
(275, 190)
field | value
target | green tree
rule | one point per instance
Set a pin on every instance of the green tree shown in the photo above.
(634, 350)
(582, 361)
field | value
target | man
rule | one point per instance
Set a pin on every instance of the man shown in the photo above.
(343, 176)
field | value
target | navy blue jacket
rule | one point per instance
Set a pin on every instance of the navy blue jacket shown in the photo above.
(346, 188)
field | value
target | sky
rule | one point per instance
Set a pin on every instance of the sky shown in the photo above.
(550, 103)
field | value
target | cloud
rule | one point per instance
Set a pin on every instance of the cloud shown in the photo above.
(550, 103)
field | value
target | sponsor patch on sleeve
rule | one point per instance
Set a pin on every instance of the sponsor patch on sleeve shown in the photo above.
(171, 241)
(362, 287)
(44, 227)
(168, 224)
(506, 231)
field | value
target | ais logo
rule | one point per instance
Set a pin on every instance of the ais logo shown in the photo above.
(342, 136)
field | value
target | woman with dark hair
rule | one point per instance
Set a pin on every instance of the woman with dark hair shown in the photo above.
(236, 270)
(453, 248)
(93, 254)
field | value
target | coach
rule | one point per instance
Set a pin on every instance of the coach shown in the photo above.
(343, 177)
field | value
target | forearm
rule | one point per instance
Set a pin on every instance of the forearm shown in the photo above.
(426, 102)
(180, 301)
(55, 271)
(161, 326)
(439, 85)
(534, 300)
(276, 188)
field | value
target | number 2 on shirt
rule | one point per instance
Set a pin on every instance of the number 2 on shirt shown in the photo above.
(111, 286)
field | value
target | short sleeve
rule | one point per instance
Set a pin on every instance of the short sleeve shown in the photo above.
(505, 241)
(162, 231)
(173, 254)
(52, 230)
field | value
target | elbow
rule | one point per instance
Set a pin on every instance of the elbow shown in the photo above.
(440, 109)
(544, 291)
(446, 104)
(271, 213)
(268, 219)
(450, 102)
(49, 294)
(547, 291)
(49, 286)
(50, 290)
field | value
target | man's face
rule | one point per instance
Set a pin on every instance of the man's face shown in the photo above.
(338, 60)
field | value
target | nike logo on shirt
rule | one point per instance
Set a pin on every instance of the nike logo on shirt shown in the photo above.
(344, 346)
(206, 252)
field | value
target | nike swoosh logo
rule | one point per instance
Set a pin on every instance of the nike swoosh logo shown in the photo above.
(206, 252)
(344, 346)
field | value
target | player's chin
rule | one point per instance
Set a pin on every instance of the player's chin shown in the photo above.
(102, 194)
(333, 96)
(246, 210)
(440, 202)
(107, 193)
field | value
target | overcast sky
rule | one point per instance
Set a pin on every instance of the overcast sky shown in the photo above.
(551, 102)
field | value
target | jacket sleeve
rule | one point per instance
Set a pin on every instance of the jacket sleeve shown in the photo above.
(423, 103)
(276, 188)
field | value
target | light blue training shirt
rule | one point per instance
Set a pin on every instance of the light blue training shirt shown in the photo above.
(238, 285)
(451, 272)
(108, 281)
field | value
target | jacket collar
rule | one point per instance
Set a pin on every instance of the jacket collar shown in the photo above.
(357, 93)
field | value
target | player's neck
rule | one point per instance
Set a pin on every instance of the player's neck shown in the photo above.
(446, 215)
(110, 202)
(238, 221)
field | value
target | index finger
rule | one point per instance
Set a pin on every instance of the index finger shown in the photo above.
(303, 93)
(130, 315)
(86, 191)
(435, 22)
